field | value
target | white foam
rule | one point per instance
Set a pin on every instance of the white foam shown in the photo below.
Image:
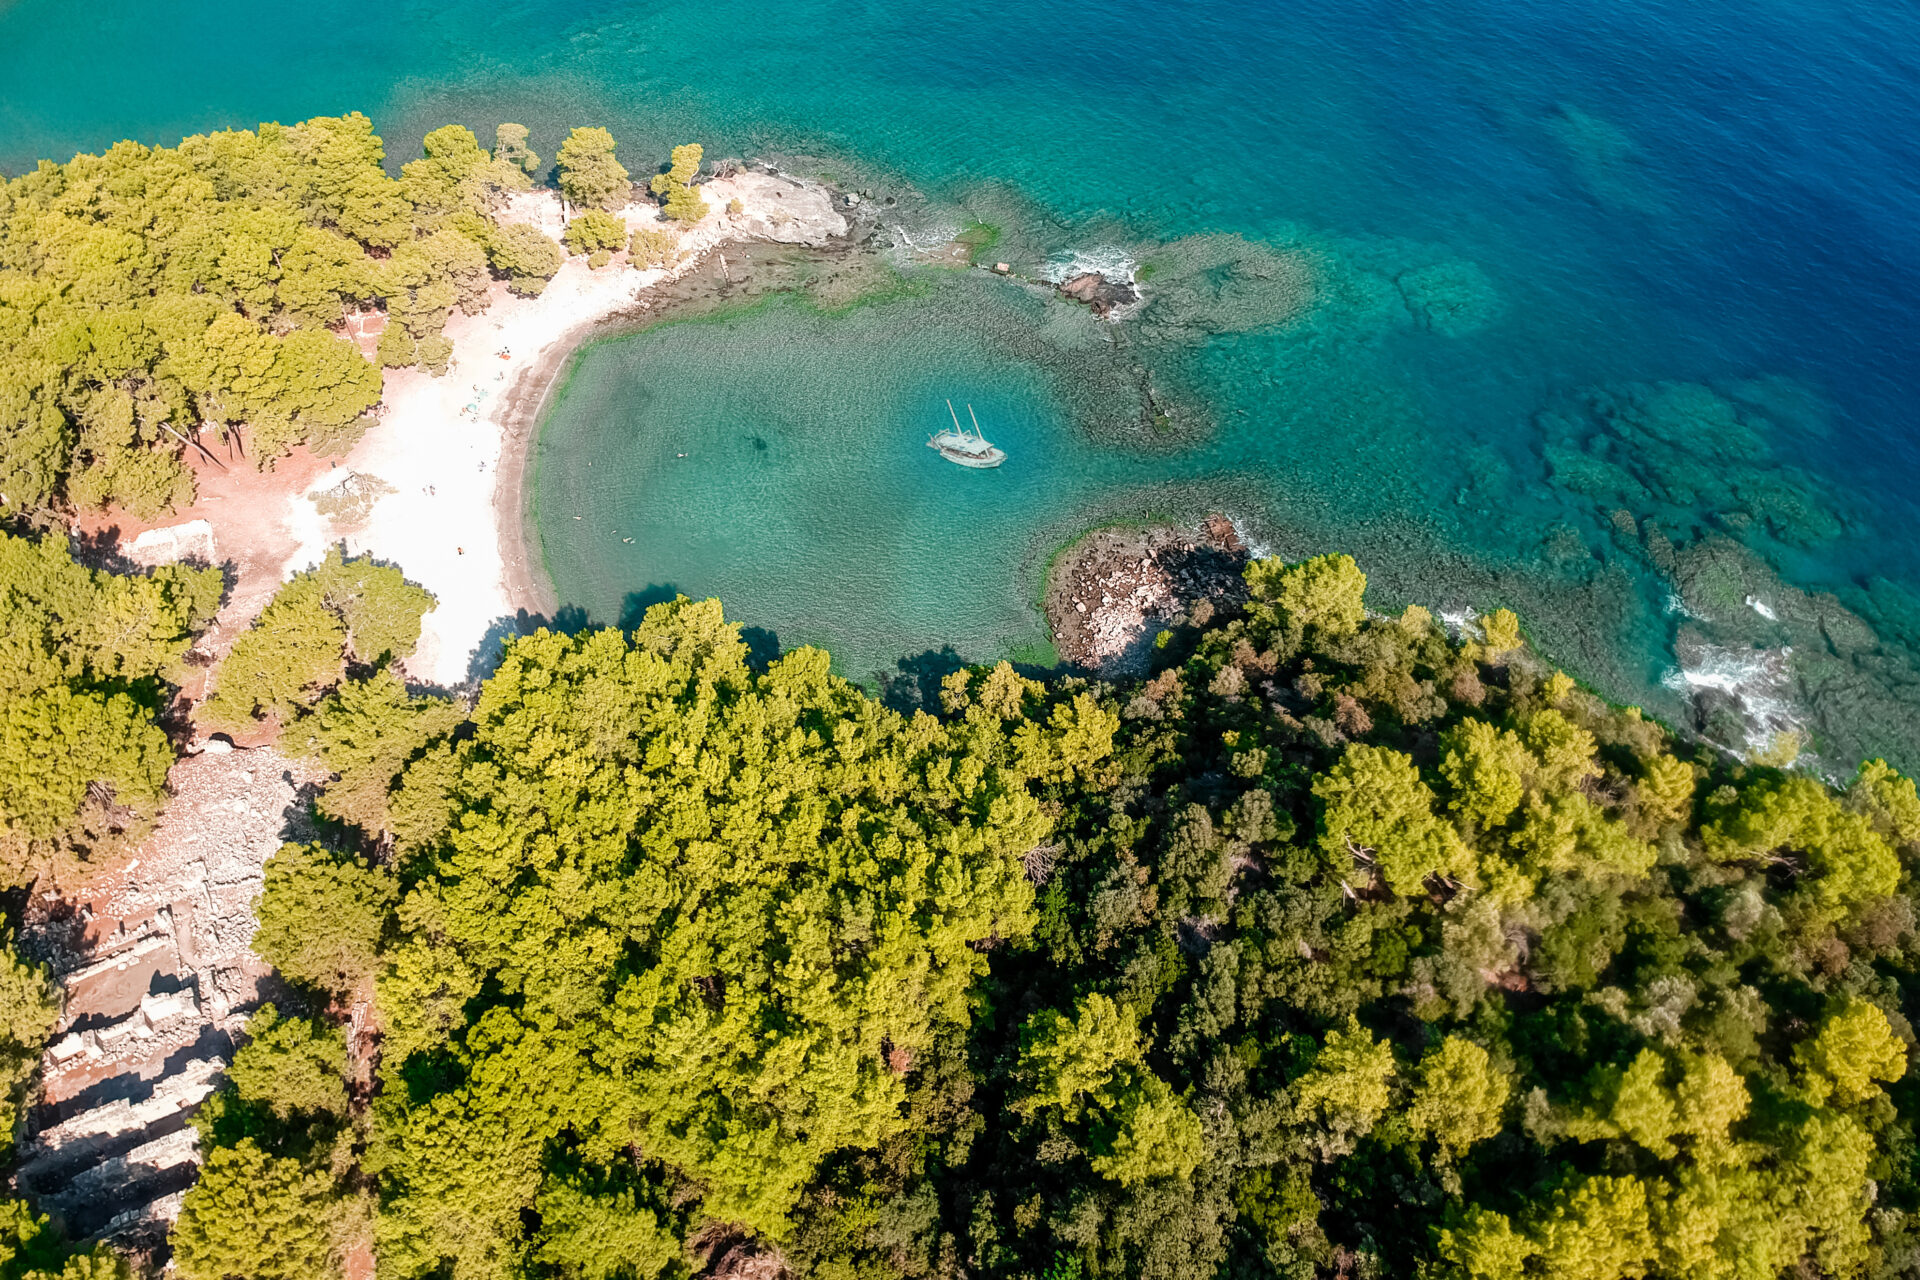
(1256, 550)
(1103, 260)
(911, 241)
(1759, 682)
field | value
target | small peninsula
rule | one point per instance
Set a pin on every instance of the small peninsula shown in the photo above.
(433, 481)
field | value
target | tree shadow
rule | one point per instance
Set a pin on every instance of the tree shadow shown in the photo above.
(101, 550)
(300, 822)
(485, 658)
(763, 647)
(633, 609)
(915, 686)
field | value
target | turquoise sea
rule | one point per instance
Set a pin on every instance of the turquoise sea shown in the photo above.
(1610, 315)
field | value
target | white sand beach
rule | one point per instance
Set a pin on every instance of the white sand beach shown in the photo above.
(443, 445)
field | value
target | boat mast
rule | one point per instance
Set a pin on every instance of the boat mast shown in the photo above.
(976, 423)
(956, 419)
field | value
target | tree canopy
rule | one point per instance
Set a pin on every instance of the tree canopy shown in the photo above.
(1339, 945)
(590, 176)
(675, 186)
(87, 664)
(340, 611)
(597, 234)
(153, 295)
(33, 1248)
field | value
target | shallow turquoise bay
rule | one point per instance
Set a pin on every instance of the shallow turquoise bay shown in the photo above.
(806, 494)
(776, 458)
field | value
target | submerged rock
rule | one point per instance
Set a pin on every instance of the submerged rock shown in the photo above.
(1213, 284)
(1761, 658)
(1449, 298)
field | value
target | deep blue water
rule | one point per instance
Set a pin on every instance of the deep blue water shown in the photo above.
(1704, 193)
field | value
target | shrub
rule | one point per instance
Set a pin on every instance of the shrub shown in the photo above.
(595, 230)
(651, 246)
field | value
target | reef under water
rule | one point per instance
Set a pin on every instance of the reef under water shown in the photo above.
(766, 446)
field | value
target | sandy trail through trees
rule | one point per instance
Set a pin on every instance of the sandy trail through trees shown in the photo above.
(453, 448)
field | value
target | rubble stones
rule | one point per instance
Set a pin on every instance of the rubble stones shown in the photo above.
(1110, 593)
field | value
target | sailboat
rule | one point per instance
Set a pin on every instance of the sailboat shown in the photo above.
(961, 449)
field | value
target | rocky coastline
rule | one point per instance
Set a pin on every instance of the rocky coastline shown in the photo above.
(1111, 593)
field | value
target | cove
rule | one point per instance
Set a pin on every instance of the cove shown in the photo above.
(778, 460)
(775, 457)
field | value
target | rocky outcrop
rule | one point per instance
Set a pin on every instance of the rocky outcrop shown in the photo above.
(1111, 593)
(781, 209)
(190, 541)
(1100, 293)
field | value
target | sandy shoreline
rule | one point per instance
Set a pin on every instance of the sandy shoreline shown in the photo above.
(449, 460)
(523, 405)
(522, 577)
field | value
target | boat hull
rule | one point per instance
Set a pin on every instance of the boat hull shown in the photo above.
(978, 461)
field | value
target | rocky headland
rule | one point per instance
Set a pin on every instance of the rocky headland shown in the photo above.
(1110, 594)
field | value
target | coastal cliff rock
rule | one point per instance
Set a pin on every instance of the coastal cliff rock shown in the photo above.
(1111, 593)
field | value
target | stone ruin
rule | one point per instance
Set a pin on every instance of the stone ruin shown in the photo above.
(155, 964)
